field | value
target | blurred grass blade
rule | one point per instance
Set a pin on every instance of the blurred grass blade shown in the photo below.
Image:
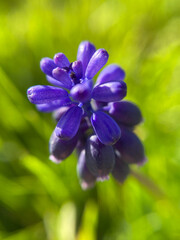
(66, 222)
(89, 222)
(11, 192)
(51, 182)
(148, 183)
(20, 112)
(35, 232)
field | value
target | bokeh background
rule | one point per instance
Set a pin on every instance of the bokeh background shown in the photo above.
(42, 200)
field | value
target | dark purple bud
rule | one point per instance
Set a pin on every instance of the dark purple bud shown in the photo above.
(60, 149)
(85, 124)
(100, 158)
(111, 73)
(81, 144)
(61, 60)
(99, 105)
(87, 179)
(105, 128)
(81, 92)
(47, 65)
(49, 107)
(82, 136)
(121, 169)
(68, 125)
(44, 94)
(85, 52)
(62, 76)
(110, 92)
(130, 147)
(125, 113)
(97, 61)
(77, 69)
(57, 114)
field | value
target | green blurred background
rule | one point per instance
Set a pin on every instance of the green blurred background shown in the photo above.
(42, 200)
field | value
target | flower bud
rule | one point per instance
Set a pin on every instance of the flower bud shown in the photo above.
(85, 52)
(97, 61)
(49, 107)
(82, 92)
(60, 149)
(130, 147)
(125, 113)
(86, 178)
(77, 68)
(111, 73)
(99, 157)
(40, 94)
(55, 82)
(68, 124)
(105, 128)
(61, 60)
(110, 92)
(121, 169)
(47, 65)
(62, 76)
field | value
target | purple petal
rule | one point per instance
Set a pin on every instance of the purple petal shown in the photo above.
(62, 76)
(77, 69)
(68, 125)
(111, 73)
(121, 169)
(47, 65)
(49, 107)
(110, 92)
(55, 82)
(57, 114)
(44, 94)
(61, 60)
(85, 52)
(105, 127)
(100, 158)
(60, 149)
(130, 147)
(97, 61)
(125, 113)
(82, 92)
(87, 179)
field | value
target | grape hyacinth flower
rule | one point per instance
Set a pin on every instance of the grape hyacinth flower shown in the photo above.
(92, 119)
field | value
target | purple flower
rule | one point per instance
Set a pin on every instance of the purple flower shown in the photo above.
(91, 119)
(74, 88)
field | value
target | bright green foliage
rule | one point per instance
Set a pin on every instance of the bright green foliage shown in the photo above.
(41, 200)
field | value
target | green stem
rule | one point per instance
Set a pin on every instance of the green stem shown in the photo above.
(148, 183)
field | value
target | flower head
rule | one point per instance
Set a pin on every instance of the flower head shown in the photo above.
(89, 118)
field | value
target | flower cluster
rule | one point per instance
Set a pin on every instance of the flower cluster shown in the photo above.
(92, 119)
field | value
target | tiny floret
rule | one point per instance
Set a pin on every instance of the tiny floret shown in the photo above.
(91, 117)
